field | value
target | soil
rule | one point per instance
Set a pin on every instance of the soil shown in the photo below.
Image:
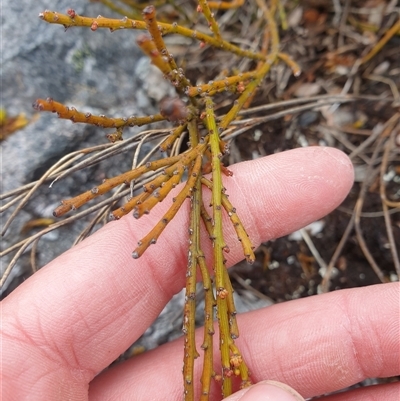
(285, 268)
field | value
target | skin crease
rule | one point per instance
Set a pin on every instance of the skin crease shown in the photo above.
(69, 321)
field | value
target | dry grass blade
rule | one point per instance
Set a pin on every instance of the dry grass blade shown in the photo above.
(378, 47)
(372, 173)
(324, 286)
(389, 147)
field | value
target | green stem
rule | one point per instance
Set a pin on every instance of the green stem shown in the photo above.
(219, 245)
(205, 9)
(189, 314)
(207, 345)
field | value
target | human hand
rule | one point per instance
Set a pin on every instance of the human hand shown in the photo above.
(71, 319)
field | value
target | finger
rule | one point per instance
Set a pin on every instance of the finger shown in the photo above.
(315, 345)
(89, 305)
(265, 391)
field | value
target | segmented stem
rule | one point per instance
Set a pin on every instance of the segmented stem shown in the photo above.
(108, 185)
(190, 352)
(207, 345)
(241, 232)
(219, 85)
(262, 71)
(152, 236)
(149, 16)
(218, 246)
(70, 113)
(169, 171)
(171, 138)
(126, 23)
(212, 23)
(225, 5)
(149, 47)
(189, 311)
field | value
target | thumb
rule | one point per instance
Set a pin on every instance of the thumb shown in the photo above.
(267, 391)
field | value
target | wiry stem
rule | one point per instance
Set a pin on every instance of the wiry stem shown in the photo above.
(152, 236)
(107, 185)
(225, 5)
(174, 75)
(241, 232)
(231, 359)
(165, 174)
(212, 23)
(161, 186)
(218, 246)
(70, 113)
(126, 23)
(386, 37)
(220, 85)
(149, 48)
(170, 139)
(207, 344)
(189, 313)
(262, 71)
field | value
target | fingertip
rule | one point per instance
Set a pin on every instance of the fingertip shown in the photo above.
(283, 192)
(341, 164)
(267, 391)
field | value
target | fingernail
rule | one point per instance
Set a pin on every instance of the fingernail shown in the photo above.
(270, 391)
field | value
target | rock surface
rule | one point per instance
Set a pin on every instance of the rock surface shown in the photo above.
(98, 72)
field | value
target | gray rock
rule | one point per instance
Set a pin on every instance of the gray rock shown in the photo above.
(92, 71)
(42, 60)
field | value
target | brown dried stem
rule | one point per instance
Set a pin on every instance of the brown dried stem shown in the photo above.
(25, 243)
